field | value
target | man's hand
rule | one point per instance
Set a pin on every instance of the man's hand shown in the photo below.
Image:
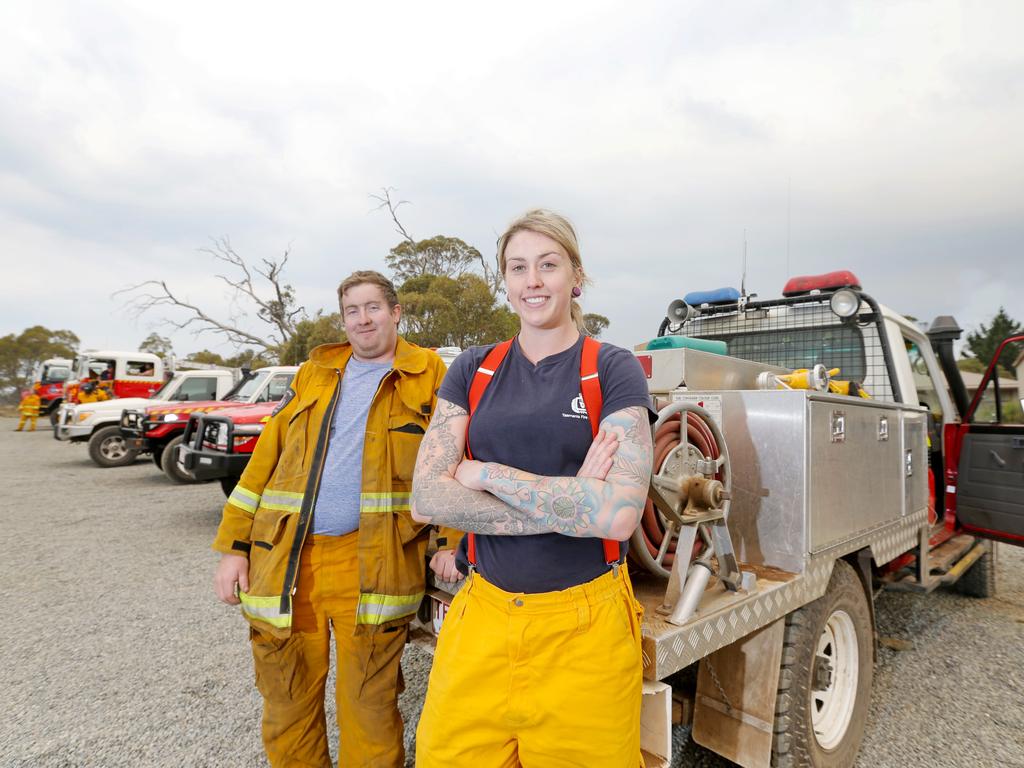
(443, 565)
(469, 473)
(231, 570)
(599, 456)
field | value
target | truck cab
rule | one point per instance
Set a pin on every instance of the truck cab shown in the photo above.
(158, 429)
(114, 374)
(48, 383)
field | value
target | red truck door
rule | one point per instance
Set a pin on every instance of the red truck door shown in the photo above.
(989, 481)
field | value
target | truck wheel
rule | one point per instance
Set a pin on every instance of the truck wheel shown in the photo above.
(170, 464)
(157, 456)
(980, 578)
(227, 484)
(54, 415)
(825, 680)
(107, 447)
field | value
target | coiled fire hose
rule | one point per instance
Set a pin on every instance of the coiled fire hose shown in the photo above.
(650, 534)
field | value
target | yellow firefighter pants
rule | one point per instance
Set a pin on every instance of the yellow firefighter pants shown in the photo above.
(31, 420)
(292, 674)
(536, 680)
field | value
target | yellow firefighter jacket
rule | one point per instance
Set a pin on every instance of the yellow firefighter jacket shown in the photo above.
(29, 405)
(268, 515)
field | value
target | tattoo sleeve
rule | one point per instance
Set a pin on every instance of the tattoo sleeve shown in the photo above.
(437, 497)
(516, 502)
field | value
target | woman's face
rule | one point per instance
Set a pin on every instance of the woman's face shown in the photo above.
(539, 280)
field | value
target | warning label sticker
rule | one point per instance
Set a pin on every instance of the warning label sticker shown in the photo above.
(710, 403)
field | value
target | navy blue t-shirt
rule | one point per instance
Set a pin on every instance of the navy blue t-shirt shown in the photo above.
(532, 417)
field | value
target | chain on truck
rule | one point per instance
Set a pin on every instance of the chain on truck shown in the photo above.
(807, 450)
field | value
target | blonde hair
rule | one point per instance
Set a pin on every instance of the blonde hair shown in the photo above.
(559, 229)
(373, 278)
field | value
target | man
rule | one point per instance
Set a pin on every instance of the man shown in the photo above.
(317, 538)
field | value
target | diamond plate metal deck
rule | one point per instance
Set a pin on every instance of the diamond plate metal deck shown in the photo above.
(725, 617)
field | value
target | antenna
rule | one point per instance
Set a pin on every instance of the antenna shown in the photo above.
(789, 187)
(743, 277)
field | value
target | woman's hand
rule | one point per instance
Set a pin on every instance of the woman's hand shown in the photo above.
(599, 457)
(470, 474)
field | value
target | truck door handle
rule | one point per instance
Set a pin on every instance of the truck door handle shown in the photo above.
(999, 459)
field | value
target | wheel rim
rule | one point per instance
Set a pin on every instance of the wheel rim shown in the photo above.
(113, 448)
(832, 708)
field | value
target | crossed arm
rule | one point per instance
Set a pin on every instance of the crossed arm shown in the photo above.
(604, 500)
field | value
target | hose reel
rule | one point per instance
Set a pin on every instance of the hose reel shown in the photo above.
(683, 530)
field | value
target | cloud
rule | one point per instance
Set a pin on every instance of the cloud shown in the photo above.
(878, 138)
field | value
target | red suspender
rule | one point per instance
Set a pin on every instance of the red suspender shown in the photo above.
(590, 389)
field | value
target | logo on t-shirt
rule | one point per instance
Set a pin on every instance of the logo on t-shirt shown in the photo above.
(578, 407)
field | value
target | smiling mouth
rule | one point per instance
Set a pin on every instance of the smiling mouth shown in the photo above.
(535, 301)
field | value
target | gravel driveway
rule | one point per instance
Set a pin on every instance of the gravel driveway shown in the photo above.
(117, 654)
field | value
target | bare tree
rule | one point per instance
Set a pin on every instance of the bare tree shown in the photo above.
(439, 255)
(279, 310)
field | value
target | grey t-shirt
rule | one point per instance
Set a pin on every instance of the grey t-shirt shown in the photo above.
(337, 503)
(532, 417)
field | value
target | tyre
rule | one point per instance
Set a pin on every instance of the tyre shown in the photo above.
(980, 578)
(107, 447)
(825, 680)
(227, 484)
(157, 456)
(54, 415)
(170, 464)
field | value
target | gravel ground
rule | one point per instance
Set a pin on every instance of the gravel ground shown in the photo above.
(117, 653)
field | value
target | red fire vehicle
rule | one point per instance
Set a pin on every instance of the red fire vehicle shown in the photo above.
(217, 446)
(48, 383)
(116, 373)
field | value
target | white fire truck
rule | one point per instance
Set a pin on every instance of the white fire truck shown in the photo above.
(808, 449)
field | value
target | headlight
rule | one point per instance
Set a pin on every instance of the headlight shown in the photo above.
(171, 417)
(845, 302)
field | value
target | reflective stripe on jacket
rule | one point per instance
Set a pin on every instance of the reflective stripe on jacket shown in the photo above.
(268, 515)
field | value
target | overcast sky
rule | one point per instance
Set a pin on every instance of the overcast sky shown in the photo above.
(885, 138)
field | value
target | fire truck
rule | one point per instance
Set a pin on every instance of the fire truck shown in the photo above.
(115, 373)
(159, 428)
(809, 450)
(48, 382)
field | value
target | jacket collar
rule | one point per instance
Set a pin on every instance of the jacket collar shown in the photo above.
(409, 358)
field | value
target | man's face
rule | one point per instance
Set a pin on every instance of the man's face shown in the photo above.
(371, 325)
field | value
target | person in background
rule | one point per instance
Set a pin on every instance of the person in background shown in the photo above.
(29, 409)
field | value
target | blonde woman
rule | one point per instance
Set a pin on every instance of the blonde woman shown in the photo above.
(540, 448)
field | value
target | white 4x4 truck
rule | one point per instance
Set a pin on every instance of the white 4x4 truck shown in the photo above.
(784, 492)
(98, 423)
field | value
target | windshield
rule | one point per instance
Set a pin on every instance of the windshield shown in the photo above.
(54, 373)
(164, 391)
(840, 346)
(246, 390)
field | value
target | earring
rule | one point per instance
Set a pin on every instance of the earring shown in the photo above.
(576, 292)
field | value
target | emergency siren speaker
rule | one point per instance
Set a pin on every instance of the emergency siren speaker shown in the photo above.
(679, 312)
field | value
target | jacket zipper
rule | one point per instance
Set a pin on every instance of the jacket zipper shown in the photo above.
(309, 499)
(313, 488)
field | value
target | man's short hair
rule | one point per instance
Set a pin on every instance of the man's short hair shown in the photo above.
(373, 278)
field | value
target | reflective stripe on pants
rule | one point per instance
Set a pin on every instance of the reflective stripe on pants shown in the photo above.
(292, 673)
(551, 679)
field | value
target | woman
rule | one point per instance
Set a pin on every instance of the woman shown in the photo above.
(538, 662)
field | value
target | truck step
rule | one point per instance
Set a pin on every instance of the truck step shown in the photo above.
(942, 558)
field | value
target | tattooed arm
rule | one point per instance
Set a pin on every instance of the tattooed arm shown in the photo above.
(496, 499)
